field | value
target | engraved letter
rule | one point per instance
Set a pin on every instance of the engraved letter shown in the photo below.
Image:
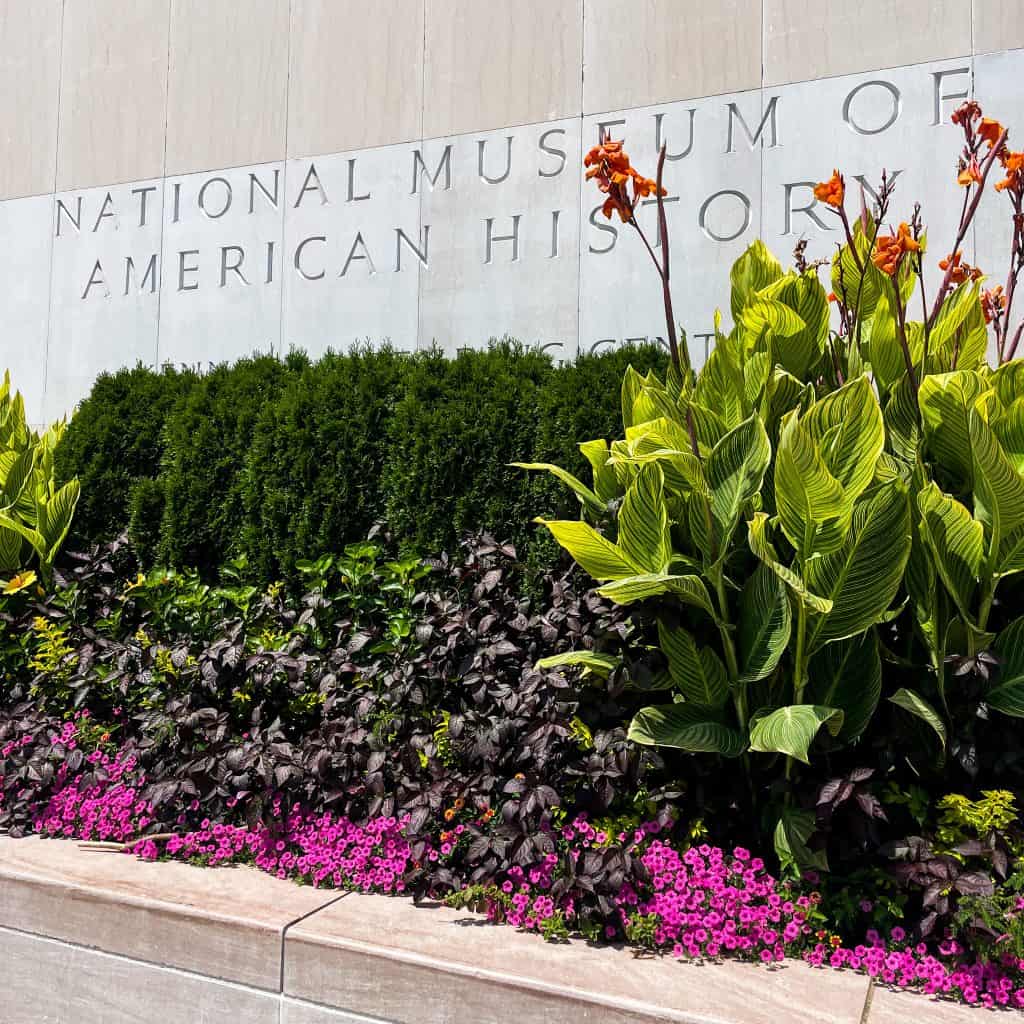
(227, 197)
(311, 184)
(658, 140)
(234, 267)
(106, 210)
(480, 147)
(603, 226)
(96, 279)
(298, 257)
(554, 234)
(177, 202)
(603, 126)
(894, 96)
(560, 153)
(808, 209)
(940, 96)
(702, 218)
(363, 255)
(352, 197)
(149, 275)
(753, 137)
(75, 218)
(184, 269)
(143, 193)
(492, 238)
(255, 183)
(270, 263)
(419, 168)
(420, 251)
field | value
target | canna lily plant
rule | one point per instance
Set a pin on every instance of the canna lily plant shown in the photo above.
(835, 466)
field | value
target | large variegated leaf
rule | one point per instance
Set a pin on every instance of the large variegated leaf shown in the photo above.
(765, 623)
(862, 577)
(11, 544)
(55, 516)
(686, 728)
(855, 279)
(956, 308)
(760, 544)
(769, 314)
(956, 541)
(795, 827)
(687, 588)
(998, 488)
(698, 673)
(848, 675)
(1008, 694)
(597, 555)
(632, 384)
(606, 484)
(791, 730)
(1008, 381)
(755, 269)
(813, 510)
(652, 403)
(721, 386)
(913, 702)
(643, 521)
(734, 471)
(848, 430)
(946, 401)
(587, 497)
(903, 423)
(799, 351)
(1009, 429)
(884, 351)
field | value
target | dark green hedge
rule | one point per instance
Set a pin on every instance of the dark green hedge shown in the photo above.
(278, 459)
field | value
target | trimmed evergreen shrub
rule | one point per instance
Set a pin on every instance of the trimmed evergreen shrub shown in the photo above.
(114, 440)
(207, 444)
(275, 458)
(313, 472)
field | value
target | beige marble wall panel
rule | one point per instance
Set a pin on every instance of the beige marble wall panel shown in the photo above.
(807, 39)
(113, 92)
(500, 63)
(227, 94)
(657, 51)
(29, 83)
(998, 25)
(356, 75)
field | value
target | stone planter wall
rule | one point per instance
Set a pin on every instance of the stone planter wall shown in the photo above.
(90, 936)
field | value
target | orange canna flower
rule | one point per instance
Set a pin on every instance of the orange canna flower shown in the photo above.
(989, 130)
(993, 303)
(608, 164)
(968, 111)
(969, 174)
(889, 249)
(961, 271)
(831, 192)
(1013, 164)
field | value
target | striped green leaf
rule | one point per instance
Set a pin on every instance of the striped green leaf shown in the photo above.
(698, 673)
(862, 577)
(946, 400)
(596, 555)
(848, 675)
(791, 730)
(686, 728)
(765, 623)
(956, 541)
(587, 497)
(643, 521)
(687, 588)
(920, 708)
(998, 488)
(600, 665)
(760, 544)
(1008, 695)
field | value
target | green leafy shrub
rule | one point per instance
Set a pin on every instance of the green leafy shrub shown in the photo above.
(116, 440)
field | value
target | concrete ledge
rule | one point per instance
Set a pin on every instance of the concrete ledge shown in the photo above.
(89, 936)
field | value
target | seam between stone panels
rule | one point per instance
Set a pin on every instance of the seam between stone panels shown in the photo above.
(53, 206)
(868, 999)
(357, 1018)
(420, 269)
(284, 168)
(163, 183)
(153, 964)
(291, 924)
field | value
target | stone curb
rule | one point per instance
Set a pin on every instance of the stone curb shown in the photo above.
(88, 936)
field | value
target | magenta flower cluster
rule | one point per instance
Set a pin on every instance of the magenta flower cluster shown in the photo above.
(318, 849)
(698, 902)
(896, 963)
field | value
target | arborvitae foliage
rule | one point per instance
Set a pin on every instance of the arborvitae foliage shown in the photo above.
(114, 440)
(283, 459)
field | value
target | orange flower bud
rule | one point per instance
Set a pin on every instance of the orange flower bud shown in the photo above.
(831, 192)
